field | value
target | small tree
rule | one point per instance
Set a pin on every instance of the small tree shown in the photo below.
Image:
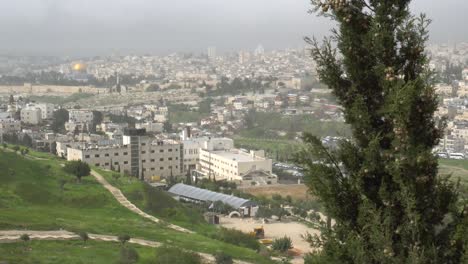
(84, 237)
(25, 238)
(282, 244)
(223, 258)
(77, 168)
(123, 238)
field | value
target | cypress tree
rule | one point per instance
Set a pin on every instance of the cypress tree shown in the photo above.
(382, 187)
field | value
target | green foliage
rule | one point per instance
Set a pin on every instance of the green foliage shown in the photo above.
(124, 238)
(266, 125)
(83, 236)
(171, 255)
(60, 117)
(154, 87)
(25, 238)
(128, 255)
(223, 258)
(282, 244)
(59, 100)
(77, 168)
(237, 237)
(222, 208)
(382, 187)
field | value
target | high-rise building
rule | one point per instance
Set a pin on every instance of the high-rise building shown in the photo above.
(212, 53)
(259, 51)
(244, 57)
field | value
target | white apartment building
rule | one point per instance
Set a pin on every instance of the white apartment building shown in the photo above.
(47, 110)
(236, 165)
(31, 115)
(80, 116)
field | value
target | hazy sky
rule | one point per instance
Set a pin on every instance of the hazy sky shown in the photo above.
(94, 27)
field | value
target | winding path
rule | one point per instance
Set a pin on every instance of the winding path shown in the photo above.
(118, 195)
(14, 236)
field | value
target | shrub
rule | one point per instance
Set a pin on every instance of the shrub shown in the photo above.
(223, 258)
(77, 168)
(123, 238)
(236, 237)
(128, 255)
(282, 244)
(84, 236)
(172, 255)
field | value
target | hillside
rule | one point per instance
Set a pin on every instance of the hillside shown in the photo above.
(31, 198)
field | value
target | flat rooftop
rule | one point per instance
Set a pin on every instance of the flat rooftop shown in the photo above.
(236, 155)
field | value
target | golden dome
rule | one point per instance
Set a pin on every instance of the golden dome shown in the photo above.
(79, 67)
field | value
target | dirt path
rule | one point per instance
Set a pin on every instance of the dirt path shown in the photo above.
(13, 236)
(118, 195)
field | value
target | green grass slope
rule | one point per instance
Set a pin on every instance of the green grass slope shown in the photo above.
(70, 252)
(31, 198)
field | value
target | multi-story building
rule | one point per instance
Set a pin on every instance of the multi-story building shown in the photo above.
(47, 110)
(139, 156)
(9, 126)
(31, 115)
(237, 165)
(80, 116)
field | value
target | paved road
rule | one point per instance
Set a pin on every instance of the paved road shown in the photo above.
(125, 202)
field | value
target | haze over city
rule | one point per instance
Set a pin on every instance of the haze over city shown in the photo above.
(102, 27)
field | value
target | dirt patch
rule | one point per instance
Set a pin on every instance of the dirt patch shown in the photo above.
(293, 230)
(296, 191)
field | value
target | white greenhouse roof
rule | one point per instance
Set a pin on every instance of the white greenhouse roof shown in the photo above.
(195, 193)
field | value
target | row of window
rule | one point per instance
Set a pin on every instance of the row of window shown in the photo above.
(160, 168)
(161, 159)
(160, 151)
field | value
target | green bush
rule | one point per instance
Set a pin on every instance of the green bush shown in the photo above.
(236, 237)
(223, 258)
(282, 244)
(172, 255)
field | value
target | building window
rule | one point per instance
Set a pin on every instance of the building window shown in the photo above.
(125, 153)
(116, 163)
(143, 152)
(96, 156)
(161, 159)
(125, 162)
(97, 164)
(152, 169)
(143, 161)
(116, 154)
(170, 167)
(152, 151)
(86, 156)
(176, 149)
(176, 158)
(152, 160)
(106, 164)
(170, 150)
(161, 168)
(176, 167)
(143, 144)
(106, 155)
(161, 150)
(170, 158)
